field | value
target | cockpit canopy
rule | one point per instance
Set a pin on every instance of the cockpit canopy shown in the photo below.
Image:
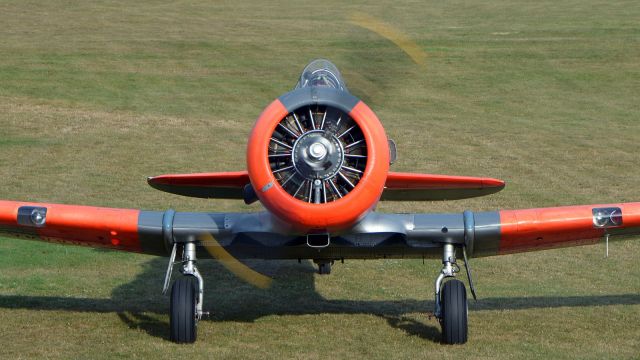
(321, 73)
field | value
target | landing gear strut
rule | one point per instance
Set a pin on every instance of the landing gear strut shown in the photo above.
(186, 296)
(451, 300)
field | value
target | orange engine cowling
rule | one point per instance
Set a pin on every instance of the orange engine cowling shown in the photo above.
(317, 156)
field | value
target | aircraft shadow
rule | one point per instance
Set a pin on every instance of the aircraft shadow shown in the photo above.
(292, 293)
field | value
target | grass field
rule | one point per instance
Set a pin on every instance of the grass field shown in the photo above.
(95, 96)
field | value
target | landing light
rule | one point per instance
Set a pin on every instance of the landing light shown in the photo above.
(38, 217)
(607, 217)
(34, 216)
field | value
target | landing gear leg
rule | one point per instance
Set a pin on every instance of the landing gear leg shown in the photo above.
(451, 301)
(186, 297)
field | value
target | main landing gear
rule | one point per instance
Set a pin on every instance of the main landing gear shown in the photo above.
(186, 296)
(451, 300)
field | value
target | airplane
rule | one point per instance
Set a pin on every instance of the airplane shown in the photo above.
(318, 161)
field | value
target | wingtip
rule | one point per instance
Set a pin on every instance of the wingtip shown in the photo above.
(494, 183)
(154, 181)
(157, 180)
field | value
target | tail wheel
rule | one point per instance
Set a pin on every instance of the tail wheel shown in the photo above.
(183, 310)
(324, 268)
(454, 312)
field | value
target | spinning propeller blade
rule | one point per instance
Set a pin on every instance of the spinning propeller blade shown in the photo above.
(392, 34)
(232, 264)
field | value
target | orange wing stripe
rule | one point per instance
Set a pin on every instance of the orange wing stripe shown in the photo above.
(535, 229)
(81, 225)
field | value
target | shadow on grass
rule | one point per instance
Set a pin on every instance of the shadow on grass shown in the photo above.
(140, 305)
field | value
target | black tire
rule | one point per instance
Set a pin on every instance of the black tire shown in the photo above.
(454, 312)
(324, 268)
(184, 295)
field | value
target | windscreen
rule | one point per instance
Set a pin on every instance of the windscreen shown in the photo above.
(323, 73)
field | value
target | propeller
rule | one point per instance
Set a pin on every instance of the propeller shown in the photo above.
(232, 264)
(392, 34)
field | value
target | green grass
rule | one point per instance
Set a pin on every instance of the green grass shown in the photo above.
(95, 96)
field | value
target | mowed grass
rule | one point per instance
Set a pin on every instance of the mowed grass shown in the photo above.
(95, 96)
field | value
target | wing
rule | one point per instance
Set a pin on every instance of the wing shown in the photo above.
(511, 231)
(259, 235)
(492, 232)
(423, 187)
(544, 228)
(225, 185)
(119, 229)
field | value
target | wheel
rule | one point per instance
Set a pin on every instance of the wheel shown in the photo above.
(453, 298)
(183, 310)
(324, 268)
